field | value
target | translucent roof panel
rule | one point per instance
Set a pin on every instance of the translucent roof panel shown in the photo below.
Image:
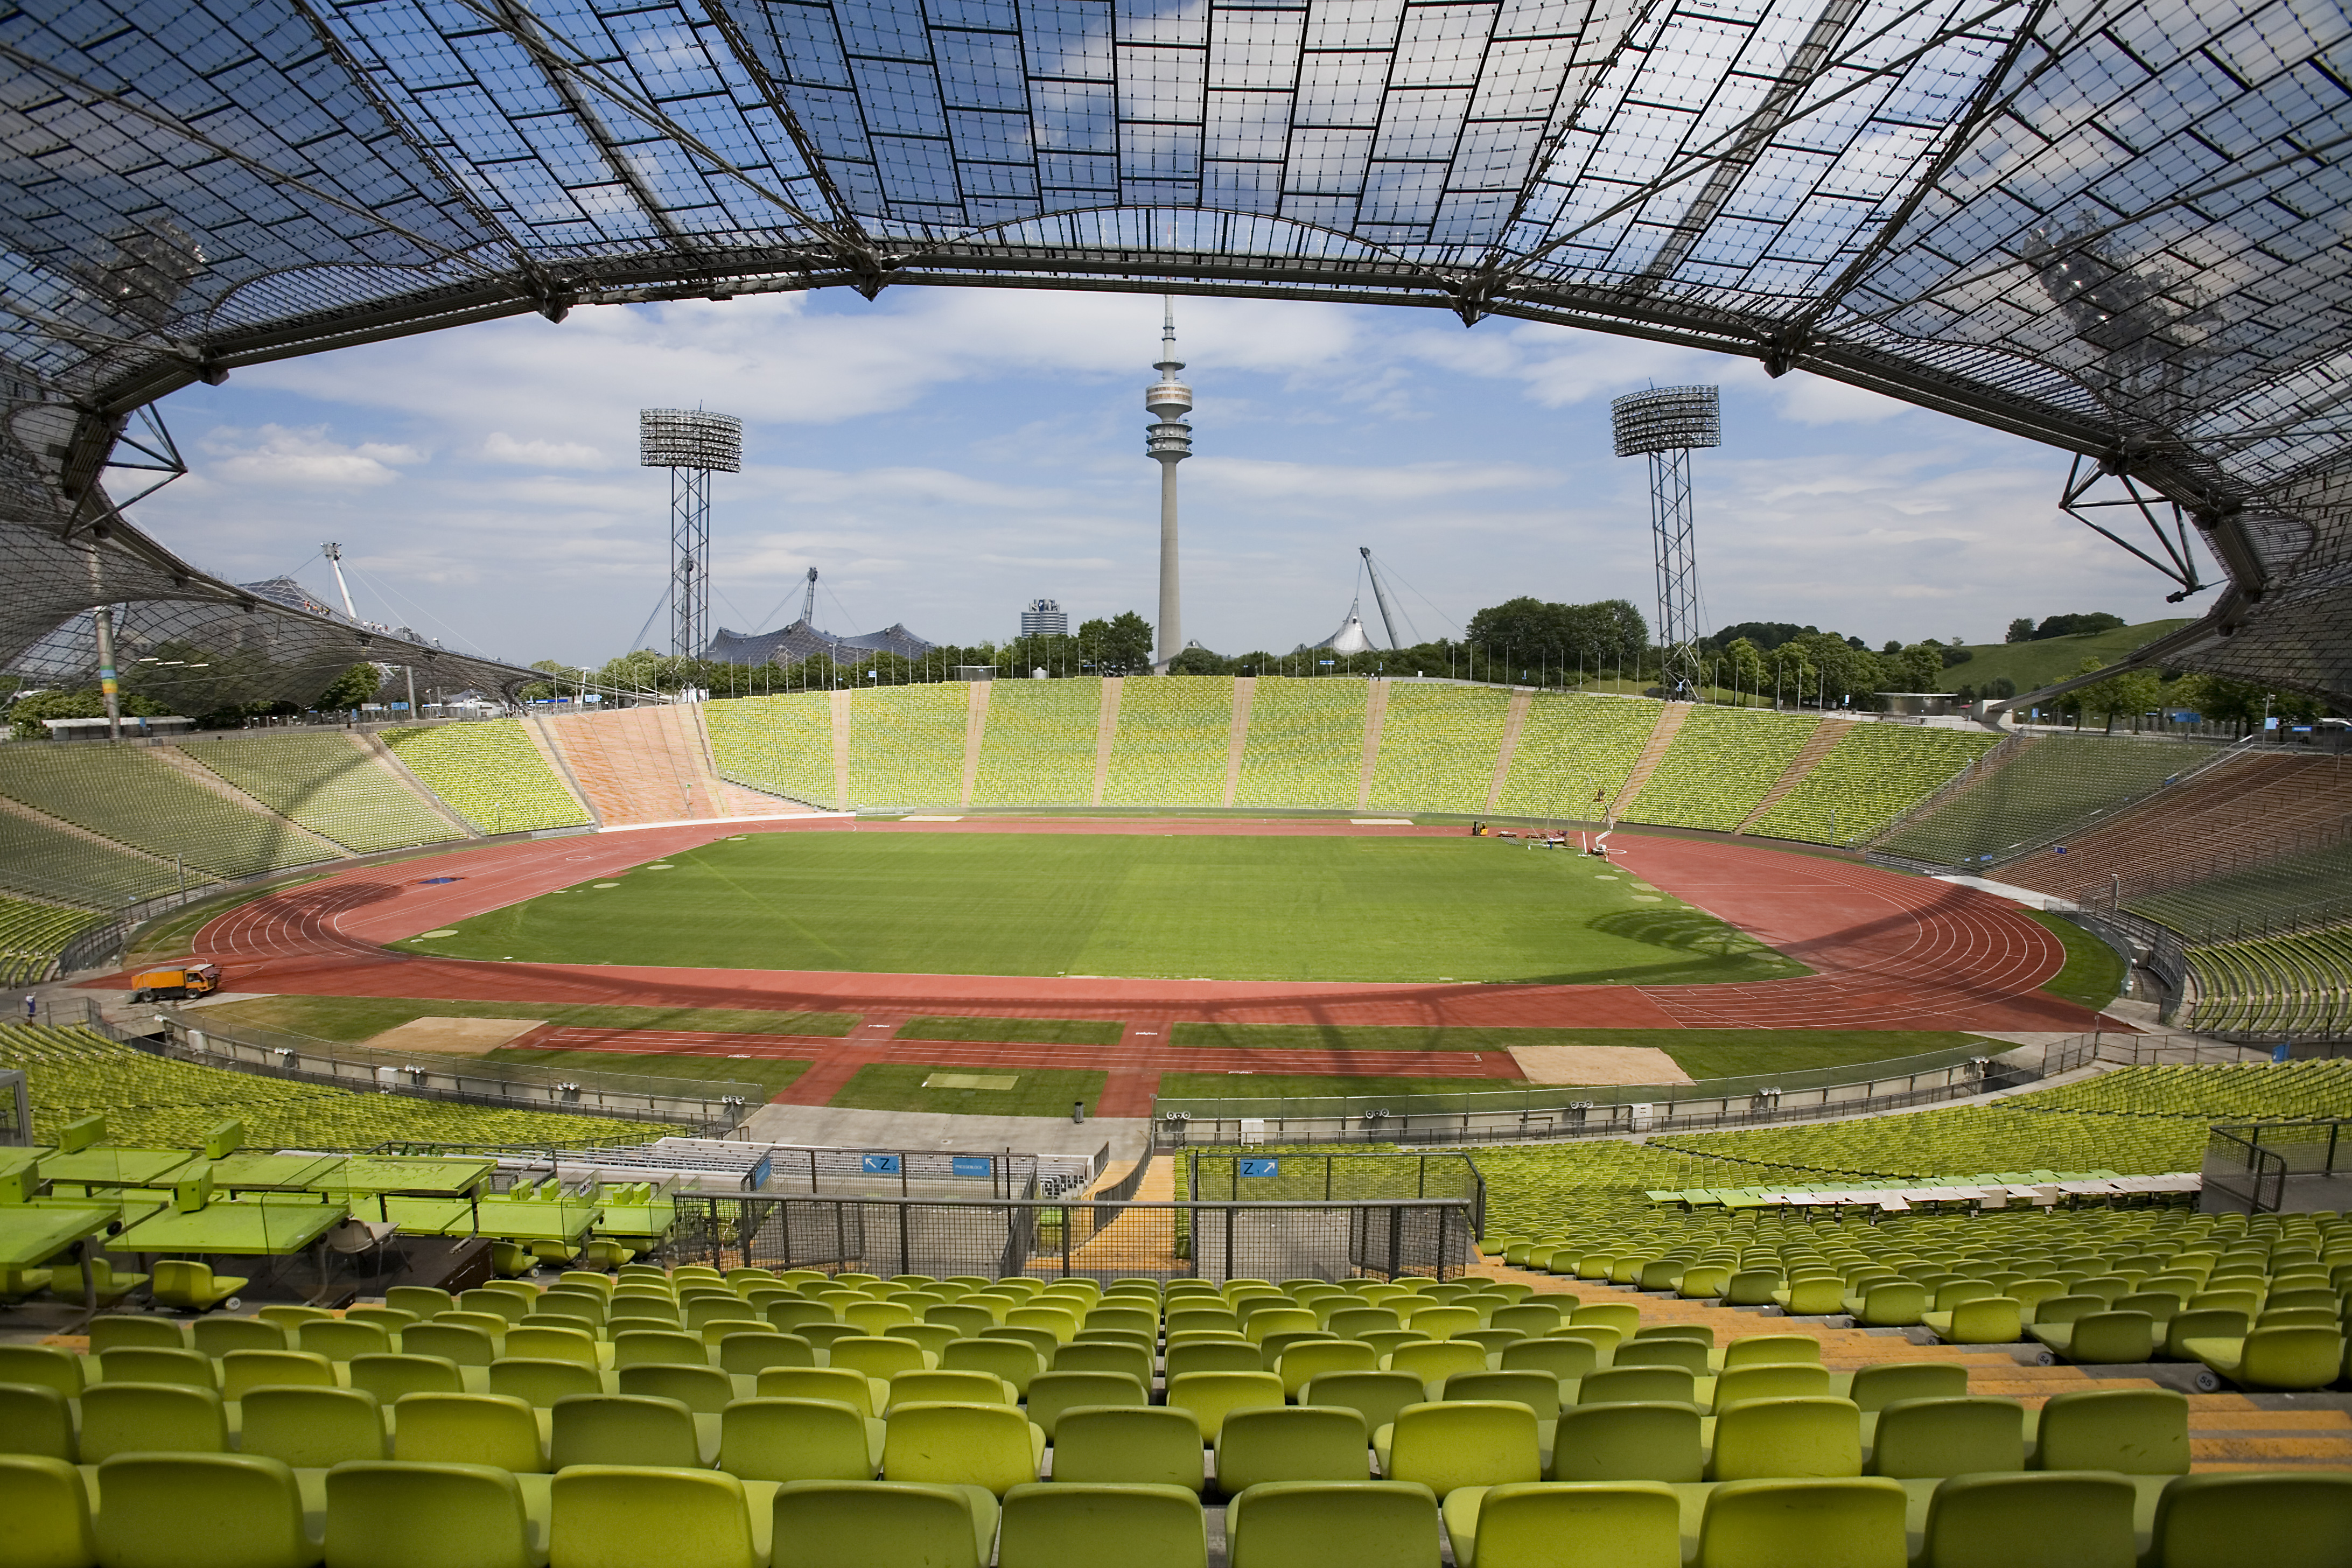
(2115, 227)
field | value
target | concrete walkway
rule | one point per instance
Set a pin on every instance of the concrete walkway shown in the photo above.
(832, 1126)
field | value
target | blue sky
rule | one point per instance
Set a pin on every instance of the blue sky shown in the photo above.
(942, 456)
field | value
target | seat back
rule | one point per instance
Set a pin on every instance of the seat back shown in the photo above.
(657, 1347)
(1292, 1443)
(1143, 1446)
(1213, 1395)
(2306, 1356)
(704, 1389)
(468, 1429)
(216, 1336)
(1378, 1396)
(746, 1355)
(1653, 1441)
(2294, 1520)
(1917, 1438)
(987, 1445)
(1770, 1380)
(1539, 1390)
(794, 1440)
(1772, 1350)
(837, 1383)
(1876, 1387)
(402, 1515)
(1082, 1355)
(243, 1371)
(1013, 1360)
(1469, 1443)
(36, 1421)
(2112, 1337)
(453, 1342)
(250, 1508)
(1562, 1358)
(1629, 1524)
(1434, 1361)
(45, 1367)
(947, 1386)
(867, 1521)
(2028, 1521)
(1301, 1364)
(2134, 1431)
(602, 1515)
(1638, 1385)
(1810, 1436)
(47, 1509)
(1688, 1354)
(1757, 1523)
(577, 1346)
(117, 1331)
(1323, 1524)
(541, 1383)
(312, 1428)
(390, 1376)
(877, 1356)
(621, 1429)
(152, 1364)
(1056, 1392)
(151, 1416)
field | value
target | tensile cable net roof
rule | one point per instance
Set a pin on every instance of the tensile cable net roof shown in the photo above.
(2115, 228)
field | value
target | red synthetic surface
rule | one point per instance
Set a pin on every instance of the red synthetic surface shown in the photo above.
(1889, 951)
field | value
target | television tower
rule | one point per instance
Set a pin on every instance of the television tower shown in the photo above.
(1168, 443)
(692, 445)
(1667, 423)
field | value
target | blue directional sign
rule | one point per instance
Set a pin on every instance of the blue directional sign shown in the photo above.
(881, 1164)
(973, 1166)
(1261, 1167)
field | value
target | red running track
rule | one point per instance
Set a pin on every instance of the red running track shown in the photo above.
(1888, 950)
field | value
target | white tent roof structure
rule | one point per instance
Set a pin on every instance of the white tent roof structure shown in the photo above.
(1350, 638)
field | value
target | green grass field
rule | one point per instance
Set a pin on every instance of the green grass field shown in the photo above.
(2094, 972)
(1128, 906)
(357, 1018)
(1034, 1091)
(1027, 1031)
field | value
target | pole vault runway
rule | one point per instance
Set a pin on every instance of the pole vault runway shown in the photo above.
(1888, 950)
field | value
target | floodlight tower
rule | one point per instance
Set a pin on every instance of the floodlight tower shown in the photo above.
(693, 445)
(1168, 443)
(1667, 424)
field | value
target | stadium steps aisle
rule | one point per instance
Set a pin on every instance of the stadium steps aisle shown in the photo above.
(1817, 746)
(2238, 808)
(1237, 741)
(2226, 1431)
(542, 741)
(1376, 712)
(975, 729)
(1671, 716)
(647, 764)
(407, 777)
(1106, 732)
(1522, 702)
(203, 778)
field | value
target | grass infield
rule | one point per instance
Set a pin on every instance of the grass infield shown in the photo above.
(358, 1018)
(1035, 1092)
(1145, 906)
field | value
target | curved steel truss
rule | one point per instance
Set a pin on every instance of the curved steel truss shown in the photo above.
(2114, 226)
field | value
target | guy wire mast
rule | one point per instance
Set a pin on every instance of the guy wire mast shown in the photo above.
(692, 445)
(1380, 594)
(1667, 424)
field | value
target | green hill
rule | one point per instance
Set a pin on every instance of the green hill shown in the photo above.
(2037, 664)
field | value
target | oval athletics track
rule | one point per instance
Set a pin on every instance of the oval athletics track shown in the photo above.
(1888, 950)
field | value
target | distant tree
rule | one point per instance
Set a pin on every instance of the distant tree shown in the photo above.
(2020, 630)
(2076, 626)
(2127, 695)
(27, 712)
(347, 691)
(1126, 645)
(1765, 635)
(1919, 667)
(1744, 663)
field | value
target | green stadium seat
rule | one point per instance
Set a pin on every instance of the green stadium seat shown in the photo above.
(36, 1421)
(468, 1428)
(2284, 1519)
(312, 1428)
(201, 1510)
(1128, 1445)
(618, 1516)
(1053, 1525)
(1851, 1522)
(1623, 1524)
(621, 1429)
(798, 1440)
(2052, 1520)
(989, 1446)
(1295, 1443)
(415, 1515)
(47, 1509)
(882, 1524)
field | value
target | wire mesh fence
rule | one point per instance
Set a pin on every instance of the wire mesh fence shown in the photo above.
(995, 1240)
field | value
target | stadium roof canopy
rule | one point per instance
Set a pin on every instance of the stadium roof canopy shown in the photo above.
(2118, 226)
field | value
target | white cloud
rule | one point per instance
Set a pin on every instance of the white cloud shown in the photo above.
(274, 455)
(500, 447)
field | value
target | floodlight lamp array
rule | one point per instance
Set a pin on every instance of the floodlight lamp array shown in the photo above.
(689, 438)
(1666, 419)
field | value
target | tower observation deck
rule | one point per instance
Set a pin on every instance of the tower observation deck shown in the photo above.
(1168, 443)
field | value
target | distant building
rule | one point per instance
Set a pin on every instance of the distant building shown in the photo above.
(1044, 618)
(799, 640)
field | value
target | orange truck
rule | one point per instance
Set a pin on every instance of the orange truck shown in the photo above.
(177, 984)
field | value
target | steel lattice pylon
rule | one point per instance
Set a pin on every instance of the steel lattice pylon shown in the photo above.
(1670, 520)
(692, 445)
(1664, 424)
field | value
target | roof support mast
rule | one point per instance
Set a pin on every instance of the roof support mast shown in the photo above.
(1380, 594)
(808, 602)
